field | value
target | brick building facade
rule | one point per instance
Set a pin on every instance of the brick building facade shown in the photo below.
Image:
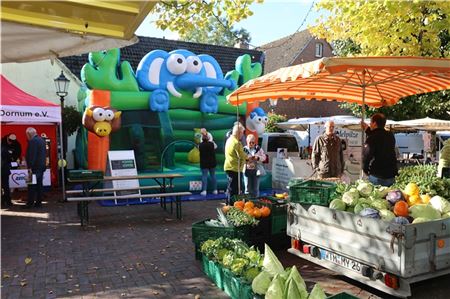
(298, 48)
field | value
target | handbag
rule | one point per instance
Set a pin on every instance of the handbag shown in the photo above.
(260, 170)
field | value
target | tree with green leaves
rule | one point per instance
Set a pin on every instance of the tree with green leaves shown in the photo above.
(272, 122)
(218, 32)
(391, 28)
(186, 16)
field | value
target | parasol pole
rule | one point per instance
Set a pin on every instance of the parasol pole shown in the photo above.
(239, 160)
(363, 115)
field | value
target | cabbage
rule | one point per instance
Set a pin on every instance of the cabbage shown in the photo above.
(401, 220)
(380, 204)
(383, 191)
(387, 215)
(370, 213)
(261, 283)
(360, 206)
(251, 273)
(337, 204)
(424, 211)
(365, 188)
(394, 196)
(420, 220)
(271, 263)
(276, 288)
(317, 293)
(440, 204)
(446, 215)
(295, 275)
(350, 197)
(292, 290)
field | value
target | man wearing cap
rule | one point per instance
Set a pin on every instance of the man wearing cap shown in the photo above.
(36, 154)
(13, 146)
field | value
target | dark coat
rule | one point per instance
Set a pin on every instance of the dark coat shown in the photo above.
(380, 158)
(6, 161)
(36, 154)
(207, 155)
(14, 148)
(327, 156)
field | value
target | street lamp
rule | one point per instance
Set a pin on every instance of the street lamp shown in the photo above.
(62, 85)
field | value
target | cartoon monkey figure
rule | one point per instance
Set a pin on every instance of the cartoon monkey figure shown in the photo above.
(101, 120)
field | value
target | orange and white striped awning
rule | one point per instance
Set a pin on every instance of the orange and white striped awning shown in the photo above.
(375, 81)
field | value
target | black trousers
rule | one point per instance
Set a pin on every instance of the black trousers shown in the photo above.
(232, 186)
(6, 196)
(35, 190)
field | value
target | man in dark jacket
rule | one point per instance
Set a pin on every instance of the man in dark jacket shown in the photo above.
(208, 162)
(379, 159)
(13, 146)
(327, 154)
(6, 171)
(36, 154)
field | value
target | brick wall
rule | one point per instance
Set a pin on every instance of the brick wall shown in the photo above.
(305, 108)
(308, 54)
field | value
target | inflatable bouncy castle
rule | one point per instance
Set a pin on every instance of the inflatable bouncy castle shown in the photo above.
(158, 110)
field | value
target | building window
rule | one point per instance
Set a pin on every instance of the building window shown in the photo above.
(319, 49)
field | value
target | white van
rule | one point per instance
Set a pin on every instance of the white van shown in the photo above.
(271, 142)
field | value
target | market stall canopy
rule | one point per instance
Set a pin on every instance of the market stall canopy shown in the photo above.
(36, 30)
(424, 124)
(375, 81)
(301, 124)
(17, 106)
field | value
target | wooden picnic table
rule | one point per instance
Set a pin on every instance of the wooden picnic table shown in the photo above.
(89, 190)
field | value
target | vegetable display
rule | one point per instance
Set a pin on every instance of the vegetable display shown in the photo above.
(275, 282)
(235, 255)
(404, 203)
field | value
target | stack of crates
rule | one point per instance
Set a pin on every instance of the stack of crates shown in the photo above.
(312, 192)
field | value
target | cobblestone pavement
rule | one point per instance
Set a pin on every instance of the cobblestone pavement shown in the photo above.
(128, 252)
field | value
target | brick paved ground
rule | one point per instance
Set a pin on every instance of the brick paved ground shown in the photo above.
(127, 252)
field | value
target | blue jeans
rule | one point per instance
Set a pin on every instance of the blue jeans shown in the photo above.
(379, 181)
(251, 185)
(212, 173)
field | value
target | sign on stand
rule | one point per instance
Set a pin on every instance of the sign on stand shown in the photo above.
(284, 169)
(123, 163)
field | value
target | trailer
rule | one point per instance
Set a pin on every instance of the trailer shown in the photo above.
(383, 255)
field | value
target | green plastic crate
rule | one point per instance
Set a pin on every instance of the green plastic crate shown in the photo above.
(201, 232)
(231, 284)
(343, 295)
(312, 192)
(213, 270)
(279, 224)
(278, 214)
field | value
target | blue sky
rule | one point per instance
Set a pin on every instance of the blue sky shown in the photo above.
(271, 20)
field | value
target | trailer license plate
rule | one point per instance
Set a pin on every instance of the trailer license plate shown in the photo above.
(341, 260)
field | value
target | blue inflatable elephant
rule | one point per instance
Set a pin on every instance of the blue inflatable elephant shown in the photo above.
(167, 73)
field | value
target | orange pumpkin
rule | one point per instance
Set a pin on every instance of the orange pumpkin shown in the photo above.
(249, 204)
(249, 211)
(401, 208)
(239, 204)
(265, 212)
(225, 209)
(256, 213)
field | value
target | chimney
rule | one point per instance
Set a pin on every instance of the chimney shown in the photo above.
(241, 45)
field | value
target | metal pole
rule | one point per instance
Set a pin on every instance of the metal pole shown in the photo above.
(363, 113)
(61, 153)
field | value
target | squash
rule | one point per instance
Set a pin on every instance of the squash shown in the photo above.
(265, 211)
(256, 213)
(239, 204)
(249, 204)
(413, 200)
(425, 198)
(225, 209)
(401, 209)
(412, 189)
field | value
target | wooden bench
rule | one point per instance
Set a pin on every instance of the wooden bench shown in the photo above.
(83, 201)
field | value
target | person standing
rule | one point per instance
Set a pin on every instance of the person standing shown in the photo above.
(13, 146)
(208, 163)
(327, 155)
(379, 156)
(35, 157)
(235, 159)
(6, 171)
(251, 176)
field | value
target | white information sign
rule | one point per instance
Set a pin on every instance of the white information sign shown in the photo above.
(17, 178)
(284, 169)
(123, 163)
